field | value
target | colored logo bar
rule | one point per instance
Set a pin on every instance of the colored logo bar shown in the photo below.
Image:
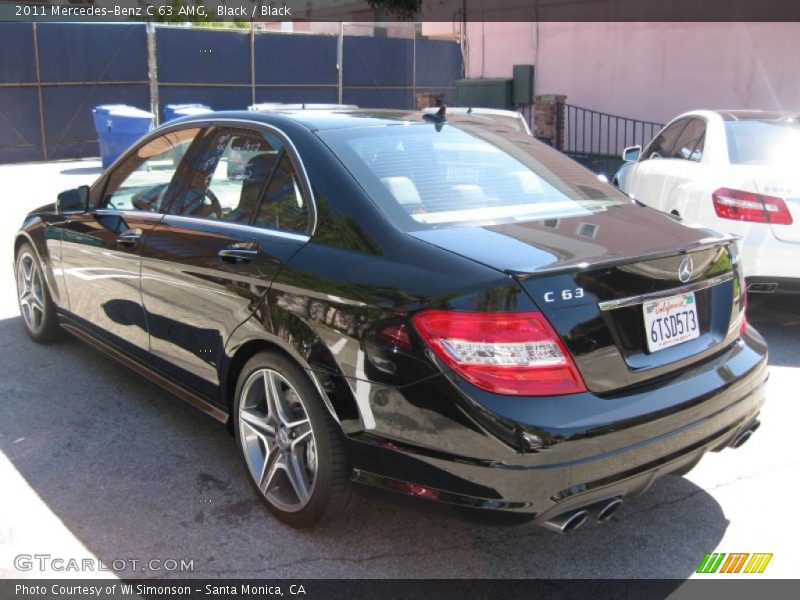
(736, 562)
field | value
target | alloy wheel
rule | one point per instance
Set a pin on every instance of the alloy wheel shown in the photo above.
(30, 292)
(277, 440)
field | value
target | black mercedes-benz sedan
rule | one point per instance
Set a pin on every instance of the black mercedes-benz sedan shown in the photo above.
(434, 305)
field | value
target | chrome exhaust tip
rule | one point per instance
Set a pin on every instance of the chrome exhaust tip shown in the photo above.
(569, 521)
(762, 288)
(742, 437)
(603, 511)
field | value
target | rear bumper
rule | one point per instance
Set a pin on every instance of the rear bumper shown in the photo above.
(765, 256)
(639, 437)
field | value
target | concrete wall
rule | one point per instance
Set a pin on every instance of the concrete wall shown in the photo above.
(650, 71)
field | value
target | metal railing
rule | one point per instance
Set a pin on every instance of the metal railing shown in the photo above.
(597, 139)
(589, 131)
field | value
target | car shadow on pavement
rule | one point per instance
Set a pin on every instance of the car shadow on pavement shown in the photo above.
(777, 318)
(133, 473)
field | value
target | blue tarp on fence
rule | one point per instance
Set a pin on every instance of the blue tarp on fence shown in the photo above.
(81, 66)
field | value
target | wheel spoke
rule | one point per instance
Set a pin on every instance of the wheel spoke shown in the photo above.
(24, 277)
(36, 289)
(275, 402)
(22, 285)
(27, 269)
(258, 424)
(296, 424)
(300, 438)
(29, 310)
(297, 477)
(27, 314)
(37, 304)
(268, 475)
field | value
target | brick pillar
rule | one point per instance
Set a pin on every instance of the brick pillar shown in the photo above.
(548, 119)
(428, 99)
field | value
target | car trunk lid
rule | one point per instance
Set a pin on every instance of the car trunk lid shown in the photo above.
(592, 276)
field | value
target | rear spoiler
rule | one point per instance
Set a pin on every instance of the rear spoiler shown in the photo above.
(708, 242)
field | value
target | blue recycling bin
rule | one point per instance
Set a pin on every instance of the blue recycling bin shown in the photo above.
(118, 126)
(176, 111)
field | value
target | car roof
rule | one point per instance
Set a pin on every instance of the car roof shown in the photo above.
(740, 114)
(318, 119)
(282, 106)
(752, 115)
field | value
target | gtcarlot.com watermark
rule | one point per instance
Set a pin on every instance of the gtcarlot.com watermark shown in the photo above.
(58, 564)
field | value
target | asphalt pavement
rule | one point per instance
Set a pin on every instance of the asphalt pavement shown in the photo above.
(97, 463)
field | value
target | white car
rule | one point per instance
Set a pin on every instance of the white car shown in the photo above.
(734, 171)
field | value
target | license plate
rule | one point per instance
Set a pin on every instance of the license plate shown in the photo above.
(670, 321)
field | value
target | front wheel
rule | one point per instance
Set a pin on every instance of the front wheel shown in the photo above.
(291, 446)
(35, 304)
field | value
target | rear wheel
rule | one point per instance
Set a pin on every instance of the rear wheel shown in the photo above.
(35, 304)
(291, 446)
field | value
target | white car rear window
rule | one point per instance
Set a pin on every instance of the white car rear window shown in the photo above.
(755, 142)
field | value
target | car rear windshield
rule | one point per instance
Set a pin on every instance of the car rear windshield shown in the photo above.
(426, 175)
(755, 142)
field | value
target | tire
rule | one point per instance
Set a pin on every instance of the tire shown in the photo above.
(281, 452)
(36, 307)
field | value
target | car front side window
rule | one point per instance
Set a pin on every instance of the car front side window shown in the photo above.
(141, 182)
(689, 145)
(229, 177)
(662, 145)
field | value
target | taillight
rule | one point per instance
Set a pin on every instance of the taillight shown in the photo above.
(515, 353)
(396, 335)
(748, 206)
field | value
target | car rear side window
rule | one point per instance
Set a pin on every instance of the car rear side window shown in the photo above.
(284, 206)
(229, 176)
(141, 182)
(431, 175)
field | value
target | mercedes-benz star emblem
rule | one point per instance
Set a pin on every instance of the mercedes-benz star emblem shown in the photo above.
(686, 269)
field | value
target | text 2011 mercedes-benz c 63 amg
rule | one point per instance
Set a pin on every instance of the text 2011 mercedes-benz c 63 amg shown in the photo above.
(438, 306)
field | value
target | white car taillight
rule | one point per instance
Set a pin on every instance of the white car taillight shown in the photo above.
(748, 206)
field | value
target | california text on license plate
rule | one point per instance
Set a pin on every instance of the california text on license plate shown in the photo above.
(670, 321)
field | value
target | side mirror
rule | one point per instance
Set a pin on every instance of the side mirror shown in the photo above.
(73, 201)
(631, 153)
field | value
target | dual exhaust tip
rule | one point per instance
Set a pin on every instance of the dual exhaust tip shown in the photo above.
(569, 521)
(605, 509)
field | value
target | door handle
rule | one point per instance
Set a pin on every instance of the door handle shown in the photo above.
(242, 252)
(130, 237)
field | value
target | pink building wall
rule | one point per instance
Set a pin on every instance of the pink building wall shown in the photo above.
(650, 71)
